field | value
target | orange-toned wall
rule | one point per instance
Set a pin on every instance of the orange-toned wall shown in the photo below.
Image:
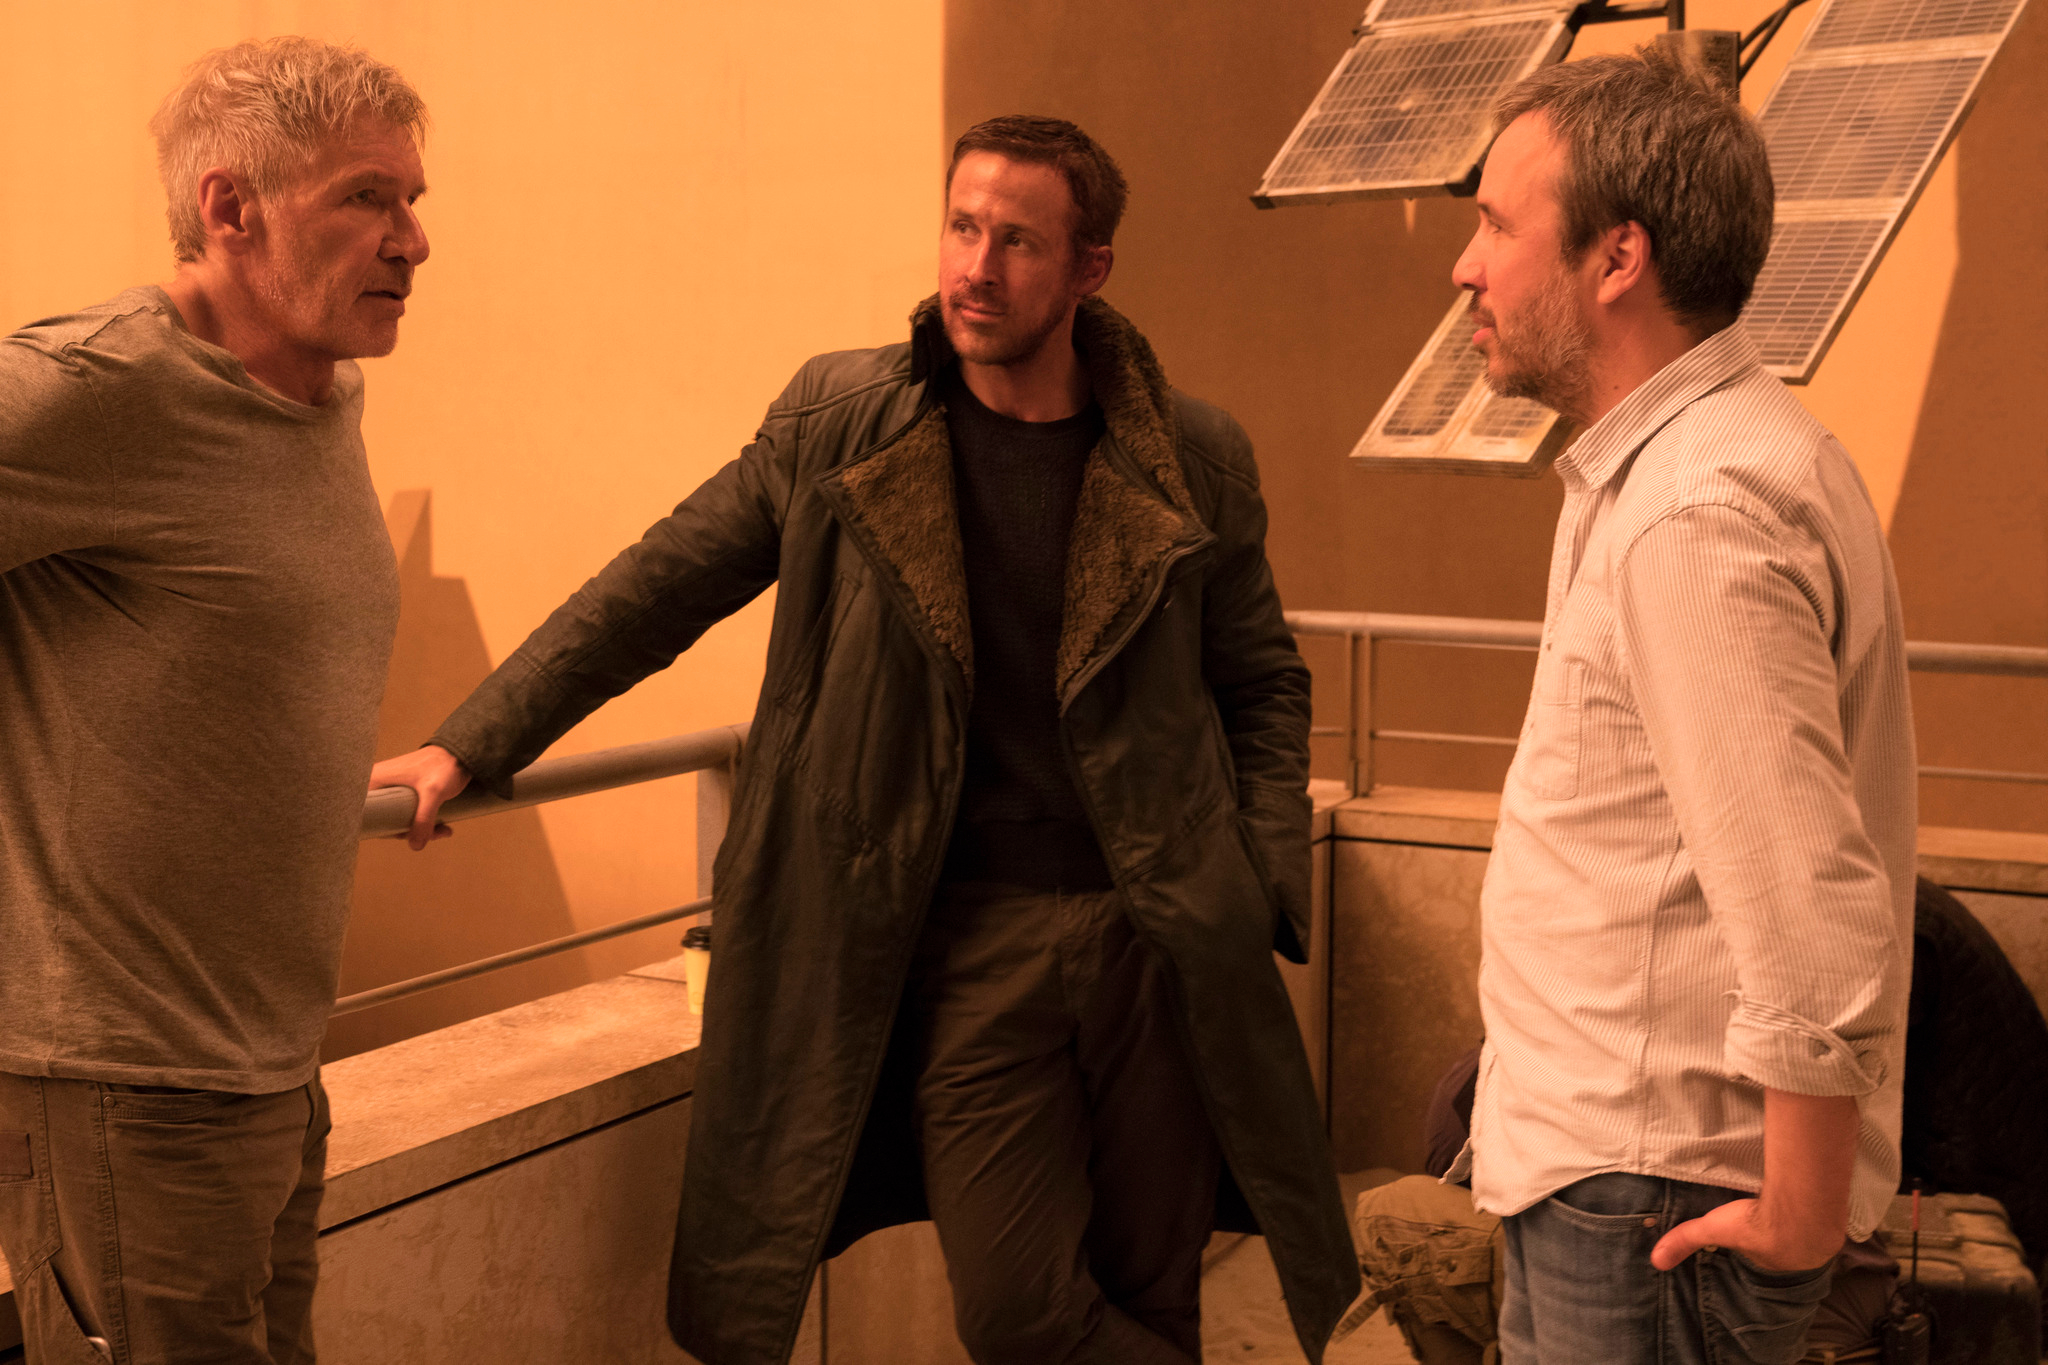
(644, 216)
(1301, 321)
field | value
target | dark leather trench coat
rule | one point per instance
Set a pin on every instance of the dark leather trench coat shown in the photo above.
(1185, 720)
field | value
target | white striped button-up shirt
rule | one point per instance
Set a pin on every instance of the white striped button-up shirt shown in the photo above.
(1702, 880)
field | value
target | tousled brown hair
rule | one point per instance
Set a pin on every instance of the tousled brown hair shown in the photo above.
(1094, 181)
(1653, 141)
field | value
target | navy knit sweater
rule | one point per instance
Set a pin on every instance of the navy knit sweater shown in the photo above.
(1016, 485)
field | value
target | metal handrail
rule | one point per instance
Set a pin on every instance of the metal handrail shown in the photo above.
(388, 811)
(1922, 656)
(712, 753)
(1431, 630)
(1363, 629)
(2013, 661)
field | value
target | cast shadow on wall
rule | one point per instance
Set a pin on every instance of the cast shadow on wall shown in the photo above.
(1970, 535)
(489, 890)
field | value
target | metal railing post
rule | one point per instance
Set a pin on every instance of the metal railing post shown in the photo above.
(1359, 667)
(714, 812)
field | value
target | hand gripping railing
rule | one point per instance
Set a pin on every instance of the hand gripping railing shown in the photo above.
(1361, 630)
(711, 754)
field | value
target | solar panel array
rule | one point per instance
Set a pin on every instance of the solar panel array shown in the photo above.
(1442, 415)
(1409, 109)
(1855, 127)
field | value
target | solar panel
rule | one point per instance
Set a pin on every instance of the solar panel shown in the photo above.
(1442, 416)
(1409, 109)
(1404, 11)
(1869, 23)
(1855, 127)
(1863, 131)
(1509, 419)
(1808, 282)
(1425, 405)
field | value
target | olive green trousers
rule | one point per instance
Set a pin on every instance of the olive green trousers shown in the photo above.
(150, 1226)
(1068, 1158)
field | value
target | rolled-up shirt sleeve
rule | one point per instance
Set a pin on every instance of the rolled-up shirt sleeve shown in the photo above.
(1726, 626)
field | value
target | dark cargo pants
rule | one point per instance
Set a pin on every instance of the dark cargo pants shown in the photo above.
(1068, 1160)
(175, 1226)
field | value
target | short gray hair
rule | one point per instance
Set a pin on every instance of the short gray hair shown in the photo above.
(1650, 140)
(262, 110)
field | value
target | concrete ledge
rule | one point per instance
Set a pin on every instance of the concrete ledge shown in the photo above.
(419, 1114)
(1985, 859)
(1420, 815)
(1325, 795)
(435, 1109)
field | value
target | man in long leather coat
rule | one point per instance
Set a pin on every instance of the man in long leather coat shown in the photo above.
(1017, 827)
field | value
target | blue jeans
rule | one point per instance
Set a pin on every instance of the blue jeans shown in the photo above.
(1581, 1290)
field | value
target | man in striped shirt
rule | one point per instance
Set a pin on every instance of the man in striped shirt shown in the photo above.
(1698, 914)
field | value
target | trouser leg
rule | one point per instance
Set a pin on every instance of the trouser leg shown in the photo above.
(152, 1217)
(1007, 1134)
(1517, 1325)
(295, 1244)
(1154, 1163)
(66, 1274)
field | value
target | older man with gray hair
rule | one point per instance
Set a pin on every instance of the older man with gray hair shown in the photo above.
(197, 601)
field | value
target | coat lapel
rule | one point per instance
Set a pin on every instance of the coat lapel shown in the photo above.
(899, 501)
(1125, 528)
(1133, 514)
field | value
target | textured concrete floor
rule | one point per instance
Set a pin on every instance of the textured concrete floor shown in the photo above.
(1244, 1321)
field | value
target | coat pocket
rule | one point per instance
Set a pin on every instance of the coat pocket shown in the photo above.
(798, 686)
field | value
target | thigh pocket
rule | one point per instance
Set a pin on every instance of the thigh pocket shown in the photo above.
(17, 1157)
(53, 1333)
(1754, 1315)
(29, 1233)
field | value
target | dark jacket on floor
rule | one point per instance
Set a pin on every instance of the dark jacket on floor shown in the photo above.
(1184, 715)
(1976, 1104)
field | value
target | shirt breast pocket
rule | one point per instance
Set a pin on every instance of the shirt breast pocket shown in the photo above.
(1550, 744)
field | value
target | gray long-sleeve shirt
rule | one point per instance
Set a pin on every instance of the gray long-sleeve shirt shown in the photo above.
(197, 601)
(1702, 880)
